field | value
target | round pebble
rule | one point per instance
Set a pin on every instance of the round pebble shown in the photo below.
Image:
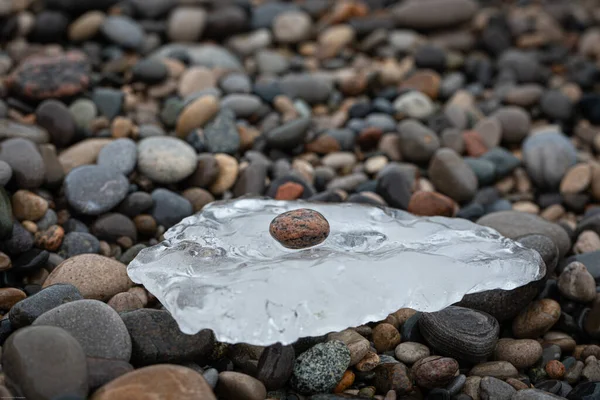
(165, 159)
(82, 185)
(299, 229)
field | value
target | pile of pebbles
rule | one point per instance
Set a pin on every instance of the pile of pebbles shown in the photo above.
(120, 118)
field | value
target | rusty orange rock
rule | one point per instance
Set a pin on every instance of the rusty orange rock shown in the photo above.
(555, 369)
(344, 383)
(428, 204)
(299, 229)
(474, 144)
(324, 144)
(50, 239)
(289, 191)
(425, 81)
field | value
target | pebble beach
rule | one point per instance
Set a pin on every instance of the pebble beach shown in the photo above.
(120, 118)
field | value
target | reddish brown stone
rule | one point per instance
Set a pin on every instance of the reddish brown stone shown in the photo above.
(50, 239)
(429, 204)
(300, 228)
(425, 81)
(474, 144)
(43, 77)
(555, 369)
(434, 371)
(369, 138)
(289, 191)
(324, 144)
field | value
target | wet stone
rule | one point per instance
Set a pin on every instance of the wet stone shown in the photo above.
(82, 319)
(299, 229)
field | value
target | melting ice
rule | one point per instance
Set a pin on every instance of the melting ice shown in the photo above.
(222, 270)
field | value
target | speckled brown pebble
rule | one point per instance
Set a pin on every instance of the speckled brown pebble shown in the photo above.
(555, 369)
(50, 239)
(298, 229)
(43, 77)
(95, 276)
(536, 319)
(385, 337)
(434, 371)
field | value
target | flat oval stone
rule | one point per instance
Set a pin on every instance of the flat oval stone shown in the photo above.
(120, 154)
(289, 135)
(536, 319)
(169, 207)
(26, 311)
(44, 77)
(45, 362)
(56, 118)
(10, 129)
(514, 224)
(452, 176)
(540, 148)
(123, 31)
(83, 184)
(434, 371)
(26, 162)
(161, 382)
(95, 276)
(299, 229)
(522, 353)
(96, 326)
(166, 159)
(435, 14)
(460, 333)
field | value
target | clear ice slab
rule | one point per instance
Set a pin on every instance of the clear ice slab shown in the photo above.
(221, 269)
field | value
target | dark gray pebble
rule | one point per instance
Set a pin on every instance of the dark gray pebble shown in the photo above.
(169, 207)
(83, 184)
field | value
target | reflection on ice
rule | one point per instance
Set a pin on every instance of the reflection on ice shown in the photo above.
(222, 270)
